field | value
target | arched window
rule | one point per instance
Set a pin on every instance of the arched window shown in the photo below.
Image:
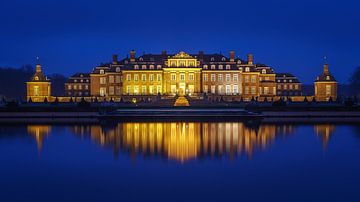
(141, 59)
(117, 69)
(136, 67)
(239, 61)
(143, 66)
(158, 66)
(247, 69)
(212, 59)
(205, 66)
(151, 67)
(36, 78)
(327, 77)
(102, 71)
(263, 71)
(220, 66)
(223, 59)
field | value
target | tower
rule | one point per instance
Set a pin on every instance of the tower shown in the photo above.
(325, 86)
(39, 87)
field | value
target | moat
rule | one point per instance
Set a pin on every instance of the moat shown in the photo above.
(180, 161)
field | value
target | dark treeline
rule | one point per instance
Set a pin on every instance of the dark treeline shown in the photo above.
(13, 82)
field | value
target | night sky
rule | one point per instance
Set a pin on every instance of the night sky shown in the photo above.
(290, 36)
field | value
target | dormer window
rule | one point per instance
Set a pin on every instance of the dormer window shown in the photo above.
(223, 59)
(227, 66)
(136, 67)
(143, 66)
(239, 61)
(247, 69)
(241, 69)
(102, 71)
(205, 67)
(220, 67)
(327, 77)
(36, 78)
(141, 59)
(290, 81)
(117, 69)
(81, 75)
(126, 61)
(263, 71)
(151, 67)
(212, 66)
(75, 80)
(158, 66)
(81, 80)
(212, 59)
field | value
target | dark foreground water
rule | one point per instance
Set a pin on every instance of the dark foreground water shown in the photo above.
(180, 162)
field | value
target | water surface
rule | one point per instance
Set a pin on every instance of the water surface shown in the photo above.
(180, 161)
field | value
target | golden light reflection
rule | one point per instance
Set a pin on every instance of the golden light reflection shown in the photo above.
(324, 131)
(183, 141)
(40, 132)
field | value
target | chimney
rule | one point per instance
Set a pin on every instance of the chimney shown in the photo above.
(326, 68)
(232, 56)
(115, 59)
(163, 53)
(132, 56)
(250, 59)
(38, 67)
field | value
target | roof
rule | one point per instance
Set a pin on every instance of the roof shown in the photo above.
(285, 78)
(326, 76)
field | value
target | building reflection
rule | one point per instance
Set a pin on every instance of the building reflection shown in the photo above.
(324, 131)
(40, 133)
(183, 141)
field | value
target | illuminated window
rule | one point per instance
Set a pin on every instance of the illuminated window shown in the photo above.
(143, 90)
(327, 77)
(290, 87)
(151, 66)
(128, 77)
(75, 87)
(290, 81)
(205, 67)
(227, 66)
(191, 64)
(86, 87)
(117, 79)
(253, 90)
(228, 78)
(102, 71)
(296, 86)
(143, 77)
(102, 91)
(235, 89)
(151, 77)
(36, 78)
(117, 90)
(158, 90)
(111, 79)
(191, 77)
(235, 78)
(206, 89)
(213, 89)
(80, 87)
(173, 77)
(136, 90)
(69, 87)
(182, 77)
(279, 86)
(253, 79)
(111, 90)
(74, 80)
(220, 66)
(173, 64)
(102, 80)
(151, 89)
(246, 90)
(212, 77)
(220, 77)
(159, 77)
(205, 77)
(263, 71)
(228, 89)
(246, 79)
(223, 59)
(239, 61)
(117, 69)
(182, 63)
(143, 66)
(220, 89)
(136, 66)
(266, 90)
(212, 66)
(158, 66)
(128, 89)
(36, 90)
(247, 69)
(136, 77)
(328, 90)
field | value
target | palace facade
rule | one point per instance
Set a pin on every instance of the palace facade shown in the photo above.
(184, 74)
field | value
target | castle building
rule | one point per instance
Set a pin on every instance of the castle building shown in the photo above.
(78, 85)
(183, 74)
(287, 85)
(38, 89)
(325, 86)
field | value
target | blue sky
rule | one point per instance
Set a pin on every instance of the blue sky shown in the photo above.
(291, 36)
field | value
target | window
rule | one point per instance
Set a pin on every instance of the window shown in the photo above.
(266, 90)
(253, 90)
(213, 89)
(191, 64)
(227, 66)
(206, 89)
(151, 77)
(246, 79)
(253, 79)
(80, 87)
(220, 66)
(205, 67)
(102, 80)
(235, 78)
(128, 77)
(117, 69)
(117, 90)
(158, 90)
(263, 71)
(290, 87)
(228, 78)
(220, 77)
(182, 77)
(290, 80)
(158, 66)
(173, 77)
(279, 87)
(220, 89)
(205, 77)
(151, 66)
(285, 87)
(328, 90)
(101, 72)
(36, 90)
(136, 90)
(117, 79)
(102, 91)
(212, 66)
(111, 90)
(136, 66)
(143, 90)
(228, 89)
(182, 63)
(69, 87)
(143, 66)
(191, 77)
(128, 89)
(151, 89)
(81, 80)
(136, 77)
(75, 87)
(267, 78)
(296, 86)
(235, 89)
(86, 87)
(247, 69)
(74, 80)
(159, 77)
(143, 77)
(223, 59)
(327, 77)
(173, 64)
(212, 77)
(246, 90)
(111, 79)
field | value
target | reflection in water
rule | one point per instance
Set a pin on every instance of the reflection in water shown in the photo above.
(183, 141)
(324, 131)
(40, 132)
